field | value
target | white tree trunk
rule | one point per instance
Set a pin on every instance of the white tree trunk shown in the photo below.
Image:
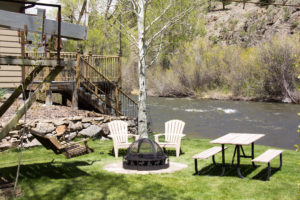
(142, 117)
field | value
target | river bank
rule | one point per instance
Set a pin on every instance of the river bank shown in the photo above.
(220, 95)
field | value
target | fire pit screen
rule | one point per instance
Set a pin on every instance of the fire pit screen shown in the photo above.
(145, 154)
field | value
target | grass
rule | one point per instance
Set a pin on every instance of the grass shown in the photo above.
(45, 175)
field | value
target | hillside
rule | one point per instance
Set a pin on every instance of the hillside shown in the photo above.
(251, 25)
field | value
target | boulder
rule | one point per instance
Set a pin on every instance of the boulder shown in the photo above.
(61, 129)
(85, 125)
(131, 123)
(5, 145)
(105, 129)
(32, 143)
(98, 118)
(13, 133)
(91, 131)
(59, 122)
(29, 135)
(71, 136)
(44, 128)
(77, 118)
(75, 126)
(86, 119)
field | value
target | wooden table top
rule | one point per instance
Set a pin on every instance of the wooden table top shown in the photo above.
(238, 138)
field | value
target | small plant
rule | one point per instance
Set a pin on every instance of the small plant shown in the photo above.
(2, 93)
(253, 28)
(286, 15)
(214, 39)
(294, 24)
(216, 26)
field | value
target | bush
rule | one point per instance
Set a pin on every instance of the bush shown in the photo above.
(2, 92)
(264, 71)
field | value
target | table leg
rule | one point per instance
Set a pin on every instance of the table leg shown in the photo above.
(223, 160)
(233, 156)
(238, 162)
(196, 167)
(252, 153)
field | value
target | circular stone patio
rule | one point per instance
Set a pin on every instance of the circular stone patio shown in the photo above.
(118, 168)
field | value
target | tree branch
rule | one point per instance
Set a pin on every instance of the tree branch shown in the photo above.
(81, 12)
(126, 33)
(168, 24)
(160, 16)
(157, 54)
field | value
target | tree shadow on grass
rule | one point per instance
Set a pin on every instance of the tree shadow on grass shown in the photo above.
(122, 152)
(104, 186)
(262, 175)
(55, 170)
(230, 170)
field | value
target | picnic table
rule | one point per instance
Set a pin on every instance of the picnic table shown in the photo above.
(239, 140)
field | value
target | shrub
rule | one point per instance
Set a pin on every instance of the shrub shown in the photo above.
(2, 92)
(264, 71)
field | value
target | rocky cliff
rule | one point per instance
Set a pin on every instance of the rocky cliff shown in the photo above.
(250, 25)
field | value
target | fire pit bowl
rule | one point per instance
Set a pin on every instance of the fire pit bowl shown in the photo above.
(145, 154)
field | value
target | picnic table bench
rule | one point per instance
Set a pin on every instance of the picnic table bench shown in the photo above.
(207, 154)
(267, 156)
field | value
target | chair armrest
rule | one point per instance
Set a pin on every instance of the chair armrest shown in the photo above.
(72, 143)
(58, 134)
(84, 140)
(133, 135)
(157, 135)
(182, 135)
(110, 136)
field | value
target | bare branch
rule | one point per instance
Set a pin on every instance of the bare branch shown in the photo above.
(157, 54)
(168, 24)
(129, 35)
(108, 6)
(135, 7)
(160, 16)
(81, 12)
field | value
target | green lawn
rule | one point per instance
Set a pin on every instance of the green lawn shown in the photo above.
(45, 175)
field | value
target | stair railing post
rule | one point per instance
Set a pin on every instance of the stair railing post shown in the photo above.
(120, 72)
(119, 86)
(76, 86)
(116, 91)
(89, 71)
(47, 85)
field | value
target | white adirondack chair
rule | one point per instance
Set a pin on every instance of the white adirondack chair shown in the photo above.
(119, 134)
(173, 134)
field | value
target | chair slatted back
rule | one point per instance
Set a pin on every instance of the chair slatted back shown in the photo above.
(48, 142)
(173, 130)
(119, 131)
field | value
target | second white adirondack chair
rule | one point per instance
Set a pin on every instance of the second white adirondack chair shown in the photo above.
(119, 134)
(173, 134)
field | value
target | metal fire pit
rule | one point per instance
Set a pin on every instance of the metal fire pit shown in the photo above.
(145, 154)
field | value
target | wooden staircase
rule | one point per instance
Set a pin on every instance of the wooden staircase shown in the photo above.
(97, 81)
(101, 93)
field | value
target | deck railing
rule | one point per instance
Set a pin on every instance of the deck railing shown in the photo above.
(109, 66)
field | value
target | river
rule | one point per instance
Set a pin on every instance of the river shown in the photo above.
(214, 118)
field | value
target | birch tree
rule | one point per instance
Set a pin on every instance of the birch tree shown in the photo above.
(148, 36)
